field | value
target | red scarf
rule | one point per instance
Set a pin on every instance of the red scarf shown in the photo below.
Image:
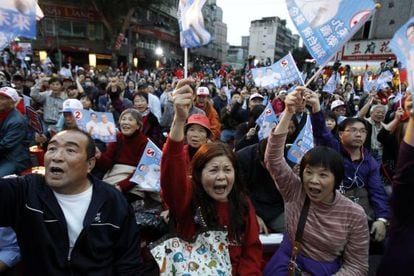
(3, 115)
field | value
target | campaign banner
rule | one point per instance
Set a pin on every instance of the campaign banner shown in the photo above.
(35, 121)
(367, 83)
(326, 25)
(191, 24)
(284, 71)
(100, 125)
(17, 19)
(266, 122)
(302, 144)
(147, 173)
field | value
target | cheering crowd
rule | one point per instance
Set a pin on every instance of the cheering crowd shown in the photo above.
(346, 201)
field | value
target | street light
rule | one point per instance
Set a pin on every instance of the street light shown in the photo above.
(158, 52)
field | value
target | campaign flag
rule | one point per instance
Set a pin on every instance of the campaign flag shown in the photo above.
(217, 82)
(284, 71)
(266, 122)
(35, 122)
(17, 18)
(100, 125)
(331, 84)
(302, 144)
(191, 24)
(368, 84)
(147, 173)
(326, 25)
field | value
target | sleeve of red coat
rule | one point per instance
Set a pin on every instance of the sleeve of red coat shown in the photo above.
(251, 259)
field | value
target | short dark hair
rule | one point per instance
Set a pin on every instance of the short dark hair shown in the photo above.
(90, 146)
(141, 94)
(325, 157)
(351, 121)
(52, 80)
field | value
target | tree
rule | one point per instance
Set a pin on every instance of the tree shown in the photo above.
(117, 16)
(300, 55)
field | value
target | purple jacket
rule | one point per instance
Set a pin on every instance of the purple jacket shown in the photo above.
(366, 172)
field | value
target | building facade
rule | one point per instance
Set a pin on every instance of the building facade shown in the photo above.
(270, 39)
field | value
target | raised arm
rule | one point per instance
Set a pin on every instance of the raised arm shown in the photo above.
(175, 184)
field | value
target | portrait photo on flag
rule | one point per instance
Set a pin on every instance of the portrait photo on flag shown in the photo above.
(147, 174)
(266, 122)
(326, 25)
(191, 24)
(302, 144)
(284, 71)
(402, 44)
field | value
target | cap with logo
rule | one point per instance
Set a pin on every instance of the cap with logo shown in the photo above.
(10, 93)
(203, 91)
(199, 119)
(71, 104)
(337, 103)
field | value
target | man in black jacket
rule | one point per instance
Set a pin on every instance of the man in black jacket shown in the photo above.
(265, 197)
(66, 222)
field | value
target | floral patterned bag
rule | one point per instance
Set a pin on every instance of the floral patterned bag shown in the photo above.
(206, 254)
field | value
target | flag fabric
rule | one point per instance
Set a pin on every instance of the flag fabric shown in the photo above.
(331, 84)
(17, 18)
(147, 173)
(302, 144)
(266, 122)
(326, 25)
(191, 24)
(402, 44)
(217, 82)
(282, 72)
(368, 84)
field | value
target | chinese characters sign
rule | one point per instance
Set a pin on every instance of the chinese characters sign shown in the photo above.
(367, 50)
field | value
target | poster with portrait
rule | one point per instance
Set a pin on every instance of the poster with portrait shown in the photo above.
(302, 144)
(284, 71)
(326, 25)
(100, 125)
(147, 173)
(402, 44)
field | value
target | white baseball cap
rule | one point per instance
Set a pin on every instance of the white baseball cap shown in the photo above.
(10, 93)
(203, 91)
(256, 95)
(336, 104)
(71, 104)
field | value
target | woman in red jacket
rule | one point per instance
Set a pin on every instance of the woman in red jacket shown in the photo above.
(212, 195)
(121, 157)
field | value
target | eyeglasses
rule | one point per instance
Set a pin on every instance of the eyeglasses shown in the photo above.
(355, 130)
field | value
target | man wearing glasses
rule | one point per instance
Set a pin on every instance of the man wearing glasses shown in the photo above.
(362, 181)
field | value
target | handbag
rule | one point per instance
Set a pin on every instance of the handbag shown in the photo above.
(206, 254)
(293, 268)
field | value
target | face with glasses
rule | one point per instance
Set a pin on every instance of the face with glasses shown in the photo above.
(353, 135)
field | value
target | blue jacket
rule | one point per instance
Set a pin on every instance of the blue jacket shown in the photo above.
(109, 243)
(367, 170)
(14, 145)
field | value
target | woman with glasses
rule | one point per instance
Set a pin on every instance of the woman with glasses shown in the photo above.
(335, 234)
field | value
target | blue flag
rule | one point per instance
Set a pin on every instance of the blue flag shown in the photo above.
(302, 144)
(17, 20)
(282, 72)
(368, 84)
(191, 24)
(326, 25)
(147, 173)
(331, 84)
(266, 121)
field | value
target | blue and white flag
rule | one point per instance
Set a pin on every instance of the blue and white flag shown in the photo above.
(217, 82)
(402, 44)
(302, 144)
(326, 25)
(147, 173)
(331, 84)
(17, 19)
(191, 24)
(100, 125)
(381, 83)
(266, 122)
(368, 84)
(282, 72)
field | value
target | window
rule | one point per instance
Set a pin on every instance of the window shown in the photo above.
(65, 28)
(79, 29)
(391, 5)
(48, 26)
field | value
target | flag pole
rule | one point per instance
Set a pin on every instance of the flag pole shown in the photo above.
(317, 73)
(399, 87)
(185, 63)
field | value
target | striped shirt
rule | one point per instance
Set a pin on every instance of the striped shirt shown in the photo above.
(337, 229)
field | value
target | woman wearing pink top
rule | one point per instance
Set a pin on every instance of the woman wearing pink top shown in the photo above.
(335, 237)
